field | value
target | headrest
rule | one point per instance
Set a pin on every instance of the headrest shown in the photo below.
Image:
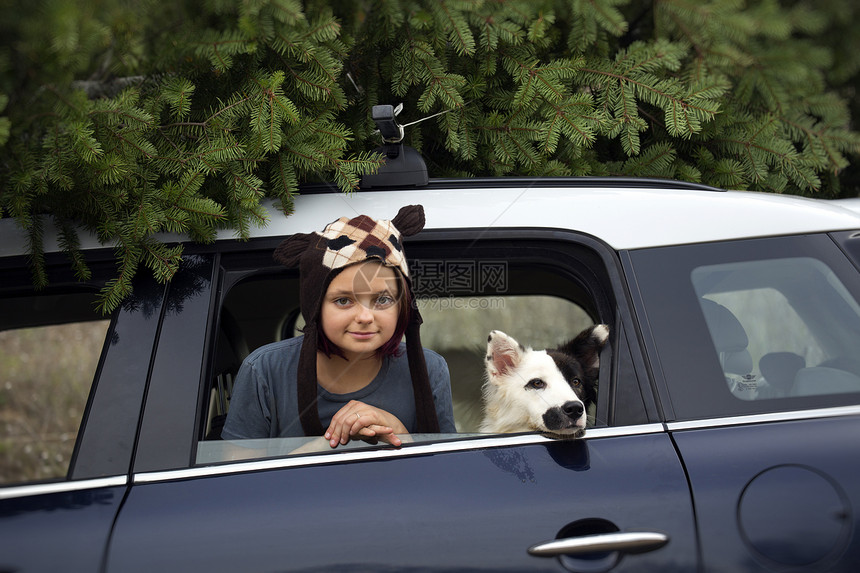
(726, 330)
(822, 380)
(779, 368)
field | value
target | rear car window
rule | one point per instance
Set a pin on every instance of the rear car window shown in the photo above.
(49, 351)
(753, 326)
(755, 314)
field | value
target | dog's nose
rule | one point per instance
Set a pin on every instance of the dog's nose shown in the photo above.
(573, 409)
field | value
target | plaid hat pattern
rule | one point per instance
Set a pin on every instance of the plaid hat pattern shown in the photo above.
(320, 256)
(349, 241)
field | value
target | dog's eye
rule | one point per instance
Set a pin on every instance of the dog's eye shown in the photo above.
(577, 383)
(536, 384)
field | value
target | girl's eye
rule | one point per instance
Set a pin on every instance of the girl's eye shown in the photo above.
(384, 301)
(536, 384)
(341, 301)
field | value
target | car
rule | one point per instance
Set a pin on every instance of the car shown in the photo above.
(724, 436)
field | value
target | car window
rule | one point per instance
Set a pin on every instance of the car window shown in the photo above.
(765, 346)
(457, 328)
(532, 295)
(754, 326)
(49, 351)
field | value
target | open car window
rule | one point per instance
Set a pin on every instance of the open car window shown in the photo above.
(539, 297)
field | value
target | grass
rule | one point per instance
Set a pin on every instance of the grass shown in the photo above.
(45, 378)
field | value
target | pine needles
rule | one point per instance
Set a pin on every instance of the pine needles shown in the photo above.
(163, 119)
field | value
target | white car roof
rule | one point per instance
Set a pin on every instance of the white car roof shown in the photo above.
(622, 217)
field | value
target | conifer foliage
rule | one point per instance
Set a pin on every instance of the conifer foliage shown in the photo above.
(141, 121)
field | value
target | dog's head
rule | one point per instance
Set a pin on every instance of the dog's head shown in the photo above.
(541, 390)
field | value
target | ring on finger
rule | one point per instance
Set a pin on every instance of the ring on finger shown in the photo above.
(357, 415)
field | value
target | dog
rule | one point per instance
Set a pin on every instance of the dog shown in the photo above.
(545, 391)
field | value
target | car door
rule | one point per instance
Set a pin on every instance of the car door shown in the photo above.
(757, 340)
(617, 499)
(72, 389)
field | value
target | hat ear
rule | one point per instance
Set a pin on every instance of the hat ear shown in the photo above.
(290, 251)
(409, 220)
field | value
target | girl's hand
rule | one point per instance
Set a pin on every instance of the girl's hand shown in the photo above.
(358, 420)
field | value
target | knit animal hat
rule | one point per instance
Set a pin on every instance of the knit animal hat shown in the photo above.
(320, 256)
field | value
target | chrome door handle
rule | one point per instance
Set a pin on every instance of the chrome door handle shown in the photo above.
(634, 542)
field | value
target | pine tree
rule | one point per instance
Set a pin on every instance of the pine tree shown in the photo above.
(135, 120)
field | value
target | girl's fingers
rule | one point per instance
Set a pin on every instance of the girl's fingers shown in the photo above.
(384, 433)
(366, 420)
(338, 431)
(359, 420)
(342, 422)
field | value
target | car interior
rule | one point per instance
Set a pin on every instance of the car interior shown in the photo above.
(784, 334)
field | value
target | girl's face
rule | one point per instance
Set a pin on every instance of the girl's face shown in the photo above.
(360, 308)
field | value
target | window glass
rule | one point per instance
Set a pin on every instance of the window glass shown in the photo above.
(764, 318)
(46, 371)
(753, 326)
(771, 323)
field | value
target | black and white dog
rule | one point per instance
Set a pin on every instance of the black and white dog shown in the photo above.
(546, 391)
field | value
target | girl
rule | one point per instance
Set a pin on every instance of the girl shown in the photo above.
(349, 376)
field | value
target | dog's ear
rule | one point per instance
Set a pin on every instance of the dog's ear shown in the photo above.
(586, 347)
(503, 353)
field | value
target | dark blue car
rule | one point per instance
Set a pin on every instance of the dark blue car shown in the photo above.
(725, 436)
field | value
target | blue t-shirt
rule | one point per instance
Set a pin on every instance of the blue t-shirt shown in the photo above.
(264, 403)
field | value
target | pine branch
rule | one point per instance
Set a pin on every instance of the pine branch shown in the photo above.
(186, 120)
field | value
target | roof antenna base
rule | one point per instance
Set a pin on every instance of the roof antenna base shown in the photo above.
(403, 165)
